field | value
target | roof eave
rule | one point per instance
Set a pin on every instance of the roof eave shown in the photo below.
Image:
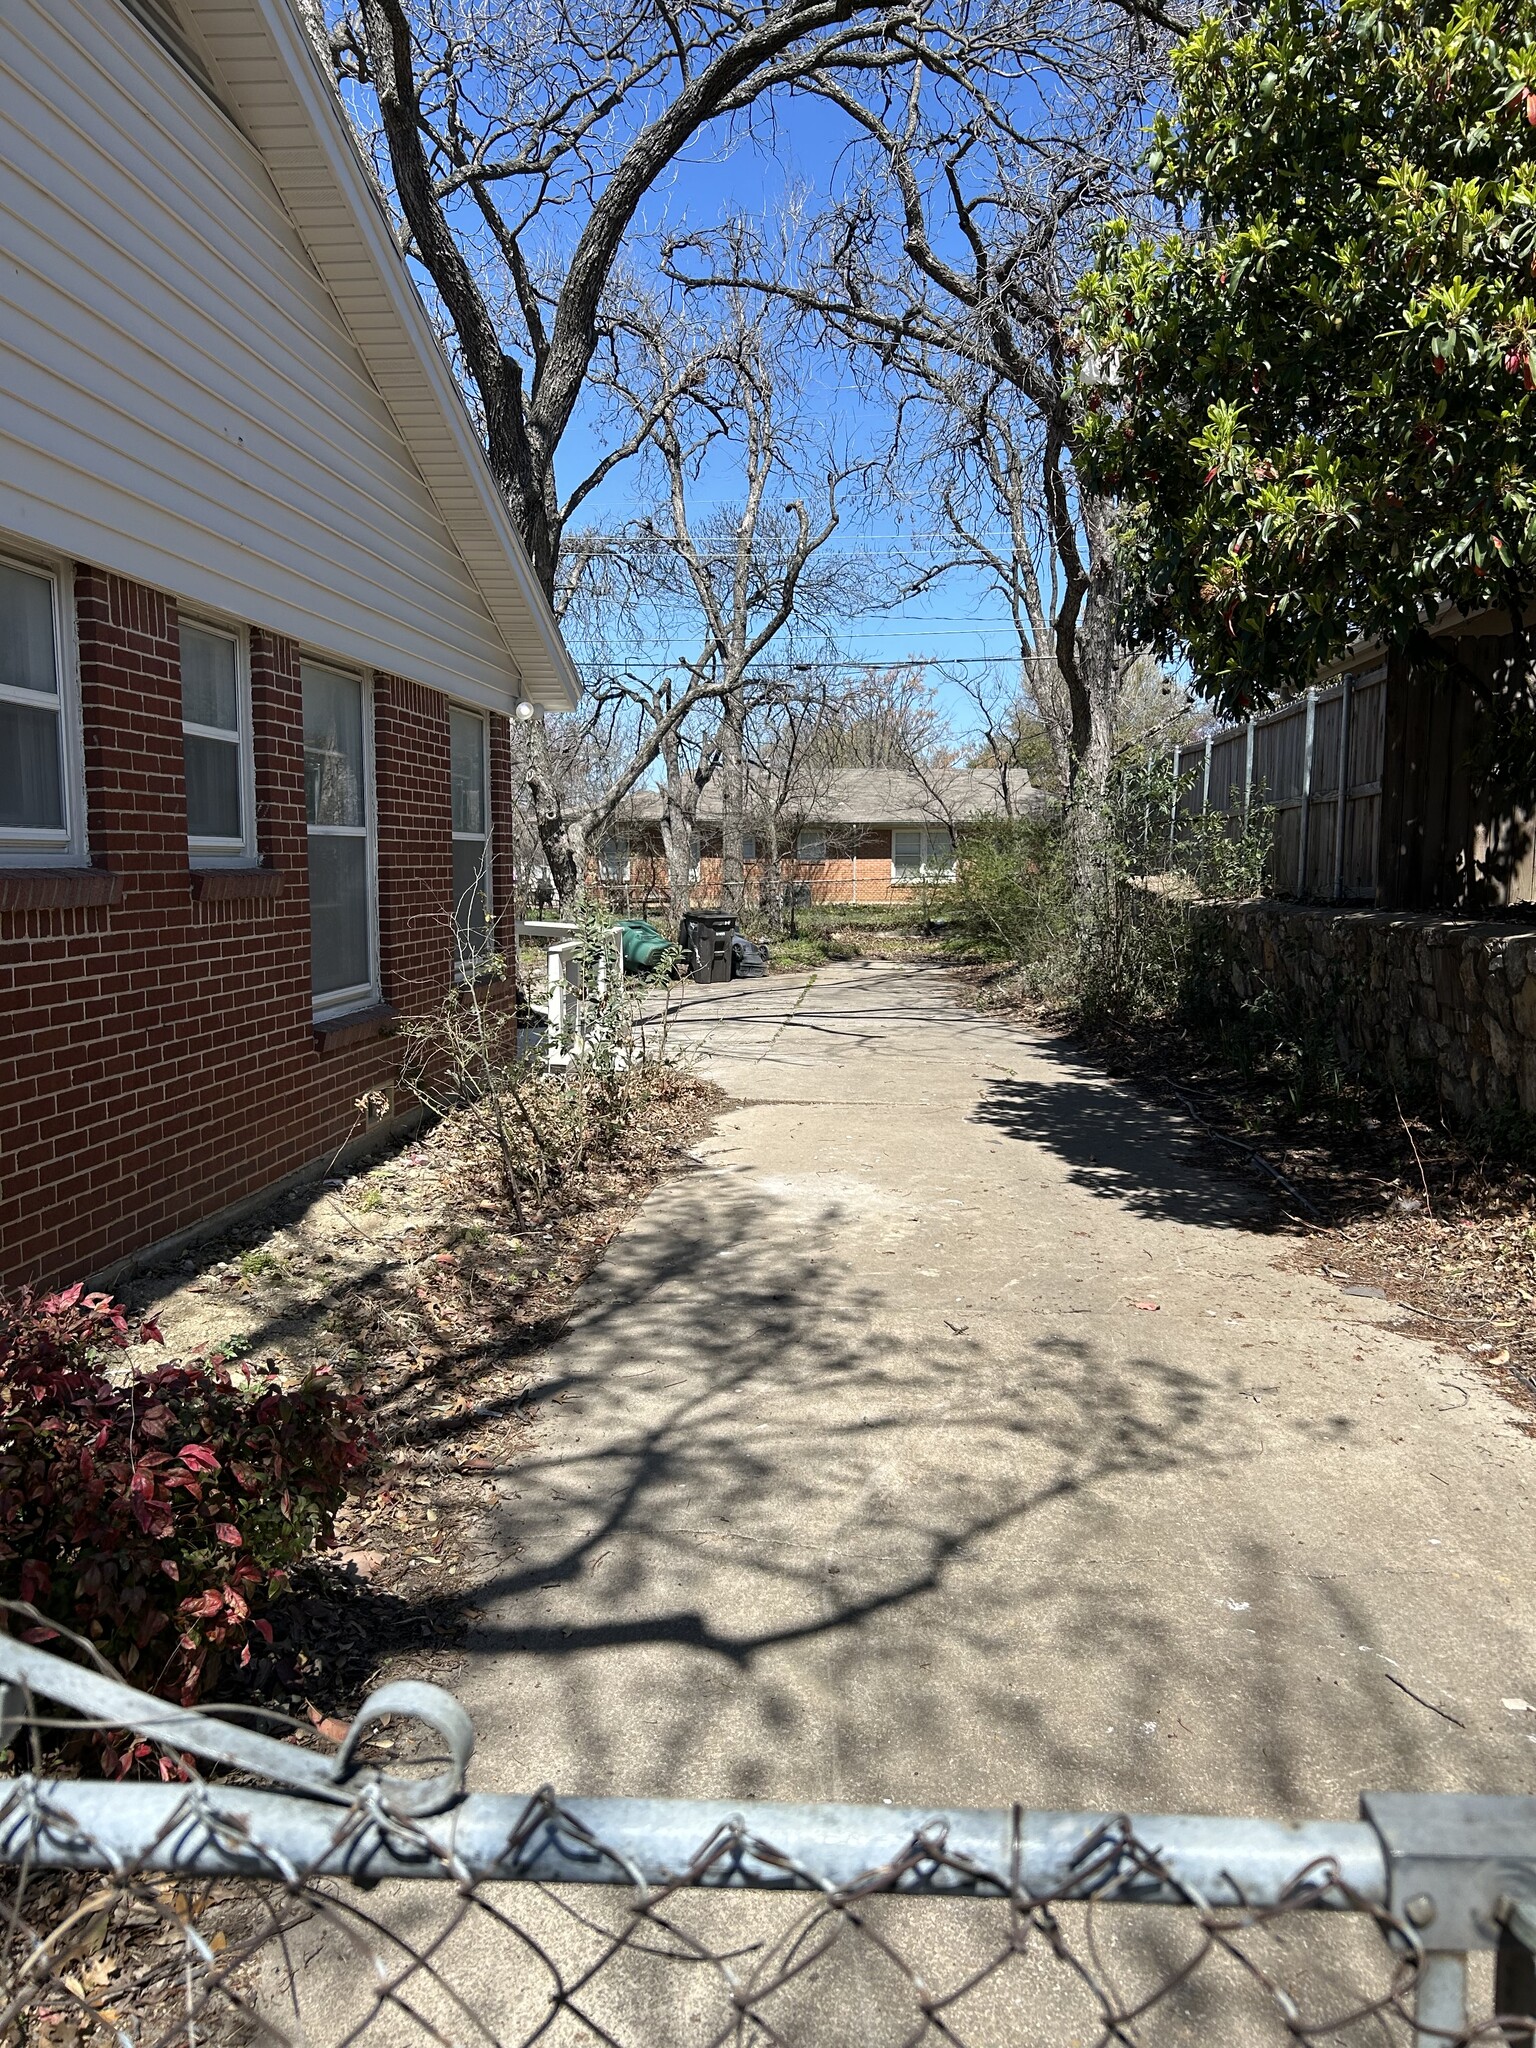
(289, 109)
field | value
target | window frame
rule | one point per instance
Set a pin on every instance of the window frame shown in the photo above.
(814, 832)
(619, 871)
(367, 995)
(482, 839)
(927, 869)
(203, 854)
(67, 846)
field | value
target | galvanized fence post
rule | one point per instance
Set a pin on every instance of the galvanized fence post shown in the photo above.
(1341, 816)
(1304, 834)
(1173, 807)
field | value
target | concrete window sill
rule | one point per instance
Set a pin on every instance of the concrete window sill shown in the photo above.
(57, 888)
(356, 1027)
(233, 885)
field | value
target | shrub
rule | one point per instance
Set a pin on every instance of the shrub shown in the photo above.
(1011, 891)
(158, 1512)
(1129, 947)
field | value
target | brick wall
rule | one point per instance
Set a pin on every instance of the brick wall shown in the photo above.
(158, 1059)
(840, 880)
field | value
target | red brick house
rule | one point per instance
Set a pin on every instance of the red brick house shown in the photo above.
(263, 620)
(850, 835)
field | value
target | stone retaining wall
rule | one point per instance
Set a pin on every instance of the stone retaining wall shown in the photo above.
(1446, 1005)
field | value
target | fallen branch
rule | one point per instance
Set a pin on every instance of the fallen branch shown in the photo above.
(1248, 1152)
(1421, 1701)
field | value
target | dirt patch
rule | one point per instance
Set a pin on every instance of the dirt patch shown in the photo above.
(410, 1280)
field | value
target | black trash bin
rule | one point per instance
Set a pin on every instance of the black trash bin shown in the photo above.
(705, 937)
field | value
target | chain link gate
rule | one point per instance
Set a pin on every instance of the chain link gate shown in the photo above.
(195, 1912)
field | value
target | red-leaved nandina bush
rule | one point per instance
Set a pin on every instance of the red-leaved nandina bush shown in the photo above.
(158, 1512)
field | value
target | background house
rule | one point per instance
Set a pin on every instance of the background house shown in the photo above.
(263, 618)
(847, 835)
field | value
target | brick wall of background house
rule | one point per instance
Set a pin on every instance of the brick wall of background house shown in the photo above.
(158, 1059)
(841, 880)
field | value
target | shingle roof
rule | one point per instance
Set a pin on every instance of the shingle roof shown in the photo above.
(879, 796)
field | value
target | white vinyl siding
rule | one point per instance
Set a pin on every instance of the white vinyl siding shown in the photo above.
(469, 757)
(343, 854)
(922, 853)
(42, 795)
(182, 401)
(216, 745)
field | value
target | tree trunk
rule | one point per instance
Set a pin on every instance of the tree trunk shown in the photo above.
(563, 841)
(773, 876)
(676, 834)
(1095, 700)
(732, 802)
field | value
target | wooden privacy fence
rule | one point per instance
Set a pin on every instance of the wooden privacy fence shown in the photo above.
(1317, 763)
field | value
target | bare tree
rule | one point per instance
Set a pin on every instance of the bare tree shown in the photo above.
(519, 146)
(884, 717)
(949, 264)
(787, 775)
(746, 578)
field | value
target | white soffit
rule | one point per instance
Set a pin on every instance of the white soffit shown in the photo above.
(273, 83)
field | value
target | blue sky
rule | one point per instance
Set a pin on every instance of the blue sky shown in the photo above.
(960, 620)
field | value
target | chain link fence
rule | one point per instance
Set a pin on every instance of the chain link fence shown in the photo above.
(317, 1899)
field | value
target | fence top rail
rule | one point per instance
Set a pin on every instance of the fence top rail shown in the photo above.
(1279, 714)
(1438, 1875)
(1148, 1859)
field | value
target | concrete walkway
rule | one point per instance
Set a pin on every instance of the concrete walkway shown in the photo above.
(876, 1476)
(873, 1480)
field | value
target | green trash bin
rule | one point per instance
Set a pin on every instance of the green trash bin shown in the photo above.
(645, 948)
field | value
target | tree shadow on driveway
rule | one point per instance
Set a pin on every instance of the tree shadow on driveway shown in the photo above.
(1120, 1145)
(767, 1521)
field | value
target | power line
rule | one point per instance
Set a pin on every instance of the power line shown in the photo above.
(850, 662)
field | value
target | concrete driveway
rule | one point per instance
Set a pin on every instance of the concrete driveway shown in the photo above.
(954, 1434)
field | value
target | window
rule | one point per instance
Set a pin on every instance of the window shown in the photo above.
(613, 860)
(339, 797)
(695, 854)
(811, 843)
(215, 744)
(469, 751)
(42, 806)
(748, 847)
(922, 853)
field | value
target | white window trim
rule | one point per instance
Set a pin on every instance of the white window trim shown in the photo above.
(482, 839)
(241, 852)
(927, 870)
(608, 875)
(68, 847)
(340, 1002)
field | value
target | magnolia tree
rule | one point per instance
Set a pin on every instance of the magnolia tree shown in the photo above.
(1314, 397)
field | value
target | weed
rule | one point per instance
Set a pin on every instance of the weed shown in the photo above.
(261, 1265)
(370, 1199)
